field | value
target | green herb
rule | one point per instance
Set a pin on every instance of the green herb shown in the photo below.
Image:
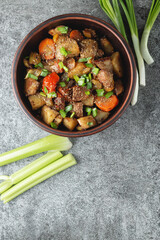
(38, 177)
(87, 80)
(64, 52)
(89, 85)
(67, 80)
(88, 110)
(30, 75)
(63, 30)
(63, 113)
(84, 59)
(90, 65)
(94, 112)
(72, 115)
(52, 95)
(62, 84)
(51, 142)
(95, 71)
(109, 94)
(44, 72)
(81, 82)
(68, 108)
(27, 57)
(90, 76)
(76, 78)
(54, 125)
(45, 90)
(63, 66)
(90, 123)
(100, 92)
(39, 65)
(87, 93)
(43, 94)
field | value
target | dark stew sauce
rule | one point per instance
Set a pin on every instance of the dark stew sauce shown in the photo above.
(75, 80)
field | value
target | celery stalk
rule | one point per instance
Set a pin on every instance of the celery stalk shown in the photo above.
(49, 143)
(29, 170)
(53, 168)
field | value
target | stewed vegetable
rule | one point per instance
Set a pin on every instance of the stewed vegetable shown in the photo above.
(75, 80)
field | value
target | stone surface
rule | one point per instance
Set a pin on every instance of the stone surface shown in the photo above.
(113, 192)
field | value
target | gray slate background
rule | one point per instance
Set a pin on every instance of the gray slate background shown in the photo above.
(113, 192)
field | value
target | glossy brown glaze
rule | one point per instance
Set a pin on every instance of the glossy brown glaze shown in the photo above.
(80, 21)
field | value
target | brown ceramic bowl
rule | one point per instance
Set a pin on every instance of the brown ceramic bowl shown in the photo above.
(75, 21)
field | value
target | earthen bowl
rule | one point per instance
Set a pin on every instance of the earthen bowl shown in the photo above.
(75, 21)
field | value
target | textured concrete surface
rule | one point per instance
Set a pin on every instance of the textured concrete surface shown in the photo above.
(113, 192)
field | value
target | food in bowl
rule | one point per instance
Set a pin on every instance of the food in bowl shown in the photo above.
(75, 80)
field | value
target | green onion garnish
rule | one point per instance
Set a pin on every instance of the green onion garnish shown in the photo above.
(89, 123)
(63, 66)
(27, 57)
(63, 30)
(30, 75)
(62, 84)
(43, 94)
(52, 95)
(100, 92)
(88, 110)
(76, 78)
(89, 85)
(109, 94)
(72, 115)
(84, 59)
(39, 65)
(54, 125)
(45, 90)
(67, 80)
(81, 82)
(64, 52)
(63, 113)
(44, 72)
(90, 65)
(94, 112)
(90, 76)
(95, 71)
(87, 93)
(68, 108)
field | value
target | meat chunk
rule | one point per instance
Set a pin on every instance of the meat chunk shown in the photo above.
(117, 64)
(34, 58)
(101, 116)
(118, 87)
(78, 108)
(104, 64)
(31, 86)
(48, 114)
(59, 102)
(54, 31)
(106, 78)
(89, 101)
(66, 93)
(106, 46)
(70, 63)
(89, 33)
(79, 93)
(89, 48)
(70, 46)
(53, 66)
(79, 70)
(100, 53)
(96, 84)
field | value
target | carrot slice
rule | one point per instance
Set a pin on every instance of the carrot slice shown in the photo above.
(47, 48)
(107, 104)
(76, 35)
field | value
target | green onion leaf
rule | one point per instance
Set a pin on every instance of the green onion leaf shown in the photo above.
(89, 85)
(30, 75)
(90, 76)
(44, 72)
(64, 52)
(45, 90)
(72, 115)
(76, 78)
(63, 66)
(95, 71)
(63, 30)
(62, 84)
(109, 94)
(54, 125)
(100, 92)
(94, 112)
(27, 57)
(52, 95)
(90, 123)
(42, 94)
(84, 59)
(87, 93)
(68, 108)
(81, 82)
(90, 65)
(67, 80)
(39, 65)
(88, 110)
(63, 113)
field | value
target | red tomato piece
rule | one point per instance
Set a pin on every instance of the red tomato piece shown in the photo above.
(50, 82)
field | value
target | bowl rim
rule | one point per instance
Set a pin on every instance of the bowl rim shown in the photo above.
(113, 118)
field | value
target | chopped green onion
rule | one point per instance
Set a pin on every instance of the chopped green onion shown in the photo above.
(45, 90)
(68, 108)
(44, 72)
(38, 177)
(27, 57)
(76, 78)
(89, 123)
(94, 112)
(30, 75)
(88, 110)
(87, 80)
(90, 65)
(109, 94)
(64, 52)
(63, 30)
(51, 142)
(84, 59)
(72, 115)
(63, 113)
(42, 94)
(84, 75)
(54, 125)
(95, 71)
(39, 65)
(63, 66)
(29, 169)
(81, 82)
(89, 85)
(87, 93)
(62, 84)
(100, 92)
(90, 76)
(52, 95)
(67, 80)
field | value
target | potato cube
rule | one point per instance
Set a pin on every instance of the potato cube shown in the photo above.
(86, 122)
(36, 101)
(48, 114)
(70, 123)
